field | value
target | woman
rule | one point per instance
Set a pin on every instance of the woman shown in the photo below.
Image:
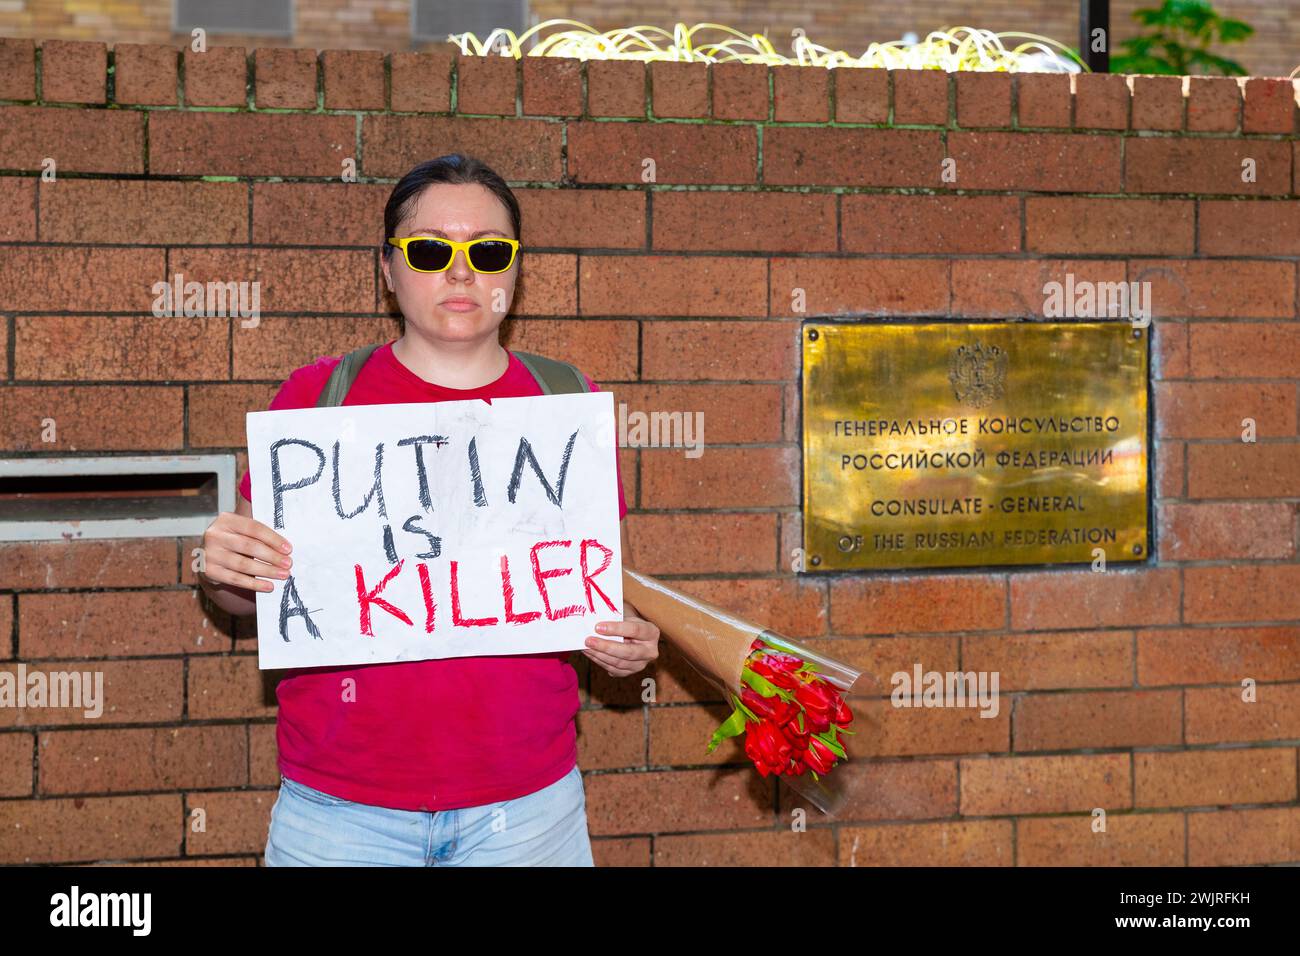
(458, 761)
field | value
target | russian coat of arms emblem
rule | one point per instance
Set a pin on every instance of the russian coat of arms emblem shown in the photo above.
(978, 373)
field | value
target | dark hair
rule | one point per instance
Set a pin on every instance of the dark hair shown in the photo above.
(455, 169)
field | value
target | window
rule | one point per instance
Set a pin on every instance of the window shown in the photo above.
(254, 17)
(434, 20)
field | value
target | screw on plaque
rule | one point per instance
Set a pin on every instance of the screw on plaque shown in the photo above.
(816, 560)
(812, 335)
(1137, 549)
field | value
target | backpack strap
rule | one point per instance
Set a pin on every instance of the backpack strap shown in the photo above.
(344, 374)
(554, 377)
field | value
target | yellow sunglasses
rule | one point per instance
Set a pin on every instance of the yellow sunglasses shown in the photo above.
(488, 255)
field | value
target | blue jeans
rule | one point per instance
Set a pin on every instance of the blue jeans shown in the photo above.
(544, 828)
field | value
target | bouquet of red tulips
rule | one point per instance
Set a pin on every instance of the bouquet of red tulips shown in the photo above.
(791, 716)
(787, 698)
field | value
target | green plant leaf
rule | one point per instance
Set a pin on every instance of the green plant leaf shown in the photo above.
(832, 745)
(758, 683)
(1183, 32)
(1234, 31)
(733, 726)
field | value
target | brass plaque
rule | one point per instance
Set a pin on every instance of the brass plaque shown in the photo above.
(947, 444)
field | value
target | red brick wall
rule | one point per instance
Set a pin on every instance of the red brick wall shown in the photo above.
(847, 25)
(1120, 689)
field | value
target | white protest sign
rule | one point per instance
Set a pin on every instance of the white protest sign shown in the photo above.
(438, 529)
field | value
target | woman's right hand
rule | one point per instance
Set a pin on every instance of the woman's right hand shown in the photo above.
(239, 550)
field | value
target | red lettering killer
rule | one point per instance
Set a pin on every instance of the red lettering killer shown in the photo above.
(430, 606)
(366, 598)
(508, 596)
(455, 606)
(587, 583)
(539, 577)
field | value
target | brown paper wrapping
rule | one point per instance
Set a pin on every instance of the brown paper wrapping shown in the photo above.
(715, 641)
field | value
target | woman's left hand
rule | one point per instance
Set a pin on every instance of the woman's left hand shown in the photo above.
(640, 644)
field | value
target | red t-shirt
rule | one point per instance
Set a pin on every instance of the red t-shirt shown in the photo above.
(436, 734)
